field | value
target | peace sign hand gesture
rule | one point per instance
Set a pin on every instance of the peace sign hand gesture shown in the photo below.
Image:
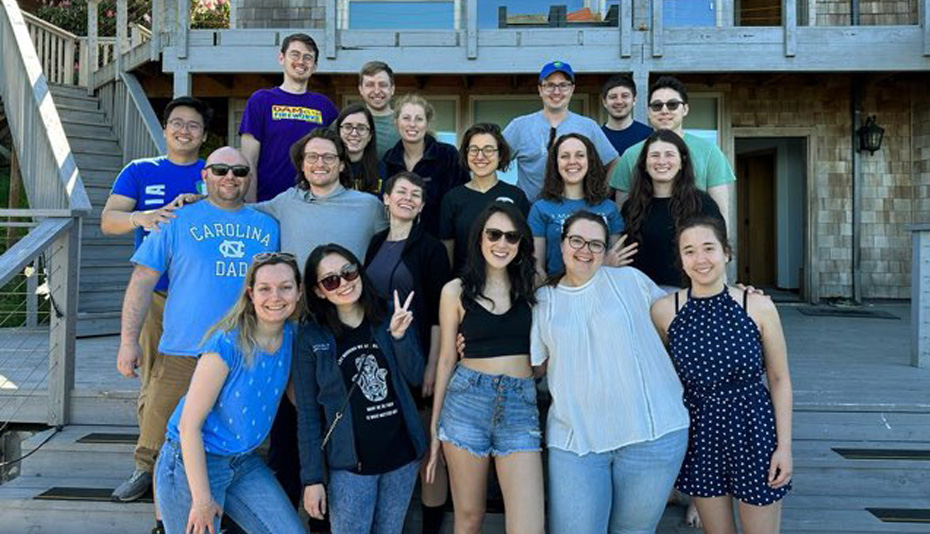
(402, 316)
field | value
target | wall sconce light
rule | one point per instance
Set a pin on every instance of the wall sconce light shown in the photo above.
(870, 135)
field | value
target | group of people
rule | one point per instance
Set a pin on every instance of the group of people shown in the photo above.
(392, 312)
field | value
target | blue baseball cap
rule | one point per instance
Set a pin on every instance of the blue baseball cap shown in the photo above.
(556, 66)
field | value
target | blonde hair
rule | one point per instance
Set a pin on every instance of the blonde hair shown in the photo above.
(416, 100)
(242, 314)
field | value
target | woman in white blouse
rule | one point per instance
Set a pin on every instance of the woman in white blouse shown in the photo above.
(617, 428)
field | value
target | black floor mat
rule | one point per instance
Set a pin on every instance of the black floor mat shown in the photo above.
(852, 312)
(901, 515)
(884, 454)
(82, 494)
(105, 437)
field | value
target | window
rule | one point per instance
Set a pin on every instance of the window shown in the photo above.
(689, 13)
(400, 14)
(488, 9)
(702, 119)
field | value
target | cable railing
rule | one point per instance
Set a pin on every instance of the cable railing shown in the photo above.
(49, 249)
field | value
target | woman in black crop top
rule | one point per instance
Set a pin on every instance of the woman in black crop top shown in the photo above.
(484, 406)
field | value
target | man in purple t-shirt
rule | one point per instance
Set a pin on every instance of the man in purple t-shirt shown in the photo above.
(276, 118)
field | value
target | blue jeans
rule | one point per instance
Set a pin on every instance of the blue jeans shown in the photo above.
(370, 504)
(242, 485)
(622, 491)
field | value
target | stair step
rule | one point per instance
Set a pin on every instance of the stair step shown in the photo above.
(72, 90)
(854, 426)
(79, 102)
(89, 145)
(84, 460)
(113, 411)
(71, 113)
(96, 131)
(98, 161)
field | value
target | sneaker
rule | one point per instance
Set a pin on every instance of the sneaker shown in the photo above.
(137, 486)
(159, 529)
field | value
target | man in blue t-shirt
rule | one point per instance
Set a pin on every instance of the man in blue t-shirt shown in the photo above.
(141, 200)
(205, 250)
(618, 96)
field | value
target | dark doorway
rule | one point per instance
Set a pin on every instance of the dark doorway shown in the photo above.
(755, 189)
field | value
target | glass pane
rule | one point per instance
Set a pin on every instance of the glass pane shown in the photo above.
(443, 124)
(488, 10)
(702, 118)
(502, 112)
(689, 13)
(438, 15)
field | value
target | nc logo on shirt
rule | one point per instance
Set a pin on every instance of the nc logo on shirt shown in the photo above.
(232, 249)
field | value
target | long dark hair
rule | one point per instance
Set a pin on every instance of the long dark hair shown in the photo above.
(595, 181)
(580, 215)
(367, 179)
(323, 311)
(521, 269)
(685, 201)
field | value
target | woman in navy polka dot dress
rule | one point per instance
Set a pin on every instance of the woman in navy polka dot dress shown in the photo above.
(722, 341)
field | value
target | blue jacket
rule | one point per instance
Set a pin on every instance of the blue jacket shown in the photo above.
(321, 390)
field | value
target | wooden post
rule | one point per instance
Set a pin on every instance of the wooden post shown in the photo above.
(182, 83)
(182, 28)
(626, 28)
(63, 287)
(925, 23)
(69, 62)
(122, 45)
(725, 13)
(16, 185)
(856, 160)
(657, 28)
(158, 26)
(92, 45)
(32, 300)
(641, 79)
(471, 28)
(920, 296)
(331, 6)
(790, 18)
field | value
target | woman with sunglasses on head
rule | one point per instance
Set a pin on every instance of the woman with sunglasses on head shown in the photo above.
(406, 259)
(575, 180)
(357, 420)
(418, 151)
(485, 152)
(207, 466)
(723, 340)
(356, 127)
(484, 406)
(662, 195)
(617, 429)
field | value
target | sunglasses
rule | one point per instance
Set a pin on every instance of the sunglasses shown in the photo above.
(672, 105)
(266, 256)
(494, 235)
(220, 169)
(332, 282)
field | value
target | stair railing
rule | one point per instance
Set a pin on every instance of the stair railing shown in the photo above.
(57, 201)
(134, 121)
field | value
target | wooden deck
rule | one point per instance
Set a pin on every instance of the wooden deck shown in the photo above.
(854, 388)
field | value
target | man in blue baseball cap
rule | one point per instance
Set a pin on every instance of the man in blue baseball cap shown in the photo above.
(530, 136)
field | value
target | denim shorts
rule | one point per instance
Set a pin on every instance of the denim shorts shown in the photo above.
(490, 414)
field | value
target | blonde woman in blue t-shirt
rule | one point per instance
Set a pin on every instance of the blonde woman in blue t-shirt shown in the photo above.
(207, 466)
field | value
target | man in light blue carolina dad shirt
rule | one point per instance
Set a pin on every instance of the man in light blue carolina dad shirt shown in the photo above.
(206, 252)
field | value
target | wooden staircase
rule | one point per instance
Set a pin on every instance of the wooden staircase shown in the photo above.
(105, 266)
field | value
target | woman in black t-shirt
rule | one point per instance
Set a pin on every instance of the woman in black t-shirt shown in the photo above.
(663, 195)
(354, 368)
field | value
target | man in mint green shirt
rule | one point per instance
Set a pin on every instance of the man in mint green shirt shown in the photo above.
(376, 87)
(668, 107)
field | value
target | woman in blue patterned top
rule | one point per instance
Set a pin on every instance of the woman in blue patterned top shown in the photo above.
(207, 465)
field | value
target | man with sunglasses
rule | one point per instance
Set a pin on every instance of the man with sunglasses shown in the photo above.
(275, 118)
(205, 250)
(530, 136)
(141, 200)
(668, 107)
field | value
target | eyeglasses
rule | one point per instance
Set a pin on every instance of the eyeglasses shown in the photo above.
(360, 129)
(313, 157)
(181, 124)
(220, 169)
(487, 150)
(672, 105)
(596, 246)
(267, 256)
(332, 282)
(550, 87)
(494, 235)
(297, 56)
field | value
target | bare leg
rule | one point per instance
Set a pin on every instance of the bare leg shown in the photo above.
(434, 494)
(760, 519)
(716, 514)
(521, 478)
(468, 477)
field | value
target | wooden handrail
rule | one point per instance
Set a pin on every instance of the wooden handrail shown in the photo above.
(33, 20)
